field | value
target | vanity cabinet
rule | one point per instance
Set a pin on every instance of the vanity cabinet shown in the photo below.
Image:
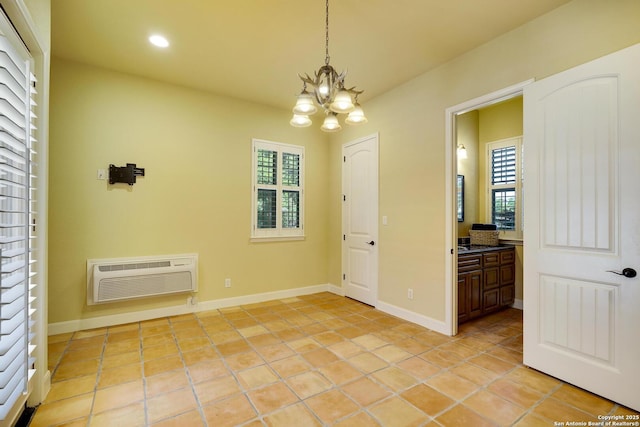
(469, 287)
(486, 281)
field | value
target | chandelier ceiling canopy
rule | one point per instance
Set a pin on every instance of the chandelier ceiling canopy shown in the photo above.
(329, 93)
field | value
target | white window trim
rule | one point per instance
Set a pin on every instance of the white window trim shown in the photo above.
(517, 141)
(278, 233)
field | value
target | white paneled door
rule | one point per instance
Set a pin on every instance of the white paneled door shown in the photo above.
(360, 219)
(582, 226)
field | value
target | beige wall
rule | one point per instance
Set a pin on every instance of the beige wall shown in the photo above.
(411, 122)
(195, 197)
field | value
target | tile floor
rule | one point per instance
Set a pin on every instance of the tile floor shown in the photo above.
(308, 361)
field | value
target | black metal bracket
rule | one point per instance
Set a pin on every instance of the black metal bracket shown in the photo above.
(125, 174)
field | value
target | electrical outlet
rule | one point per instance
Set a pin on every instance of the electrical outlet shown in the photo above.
(410, 293)
(227, 283)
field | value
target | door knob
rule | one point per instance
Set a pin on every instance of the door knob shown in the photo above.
(371, 243)
(626, 272)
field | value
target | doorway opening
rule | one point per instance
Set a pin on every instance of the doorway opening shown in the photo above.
(459, 119)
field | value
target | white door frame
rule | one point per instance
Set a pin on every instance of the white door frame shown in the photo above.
(451, 170)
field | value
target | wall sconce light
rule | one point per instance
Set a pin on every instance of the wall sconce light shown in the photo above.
(462, 151)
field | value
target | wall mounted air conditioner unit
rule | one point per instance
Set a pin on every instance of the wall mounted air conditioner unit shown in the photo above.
(121, 279)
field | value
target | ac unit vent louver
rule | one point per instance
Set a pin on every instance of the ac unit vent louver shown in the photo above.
(136, 266)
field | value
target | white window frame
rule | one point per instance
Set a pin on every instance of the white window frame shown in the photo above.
(517, 233)
(279, 232)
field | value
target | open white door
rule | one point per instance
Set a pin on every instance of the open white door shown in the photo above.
(582, 221)
(360, 219)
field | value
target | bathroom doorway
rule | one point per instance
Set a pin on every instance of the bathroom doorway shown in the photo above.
(470, 126)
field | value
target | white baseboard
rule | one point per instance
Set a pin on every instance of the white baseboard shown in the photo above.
(334, 289)
(138, 316)
(518, 303)
(411, 316)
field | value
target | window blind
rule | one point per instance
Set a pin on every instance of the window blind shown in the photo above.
(503, 165)
(18, 176)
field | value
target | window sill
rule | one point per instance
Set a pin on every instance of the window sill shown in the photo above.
(275, 239)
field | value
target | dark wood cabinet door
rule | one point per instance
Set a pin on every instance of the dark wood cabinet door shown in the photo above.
(474, 280)
(463, 298)
(507, 295)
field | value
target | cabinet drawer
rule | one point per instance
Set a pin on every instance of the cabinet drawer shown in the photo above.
(469, 262)
(508, 256)
(491, 259)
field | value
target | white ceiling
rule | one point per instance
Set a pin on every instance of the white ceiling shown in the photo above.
(254, 49)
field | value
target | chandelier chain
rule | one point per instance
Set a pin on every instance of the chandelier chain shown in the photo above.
(326, 28)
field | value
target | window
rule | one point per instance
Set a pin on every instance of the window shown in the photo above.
(505, 186)
(18, 179)
(278, 191)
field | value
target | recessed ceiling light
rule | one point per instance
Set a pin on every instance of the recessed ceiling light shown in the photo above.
(159, 41)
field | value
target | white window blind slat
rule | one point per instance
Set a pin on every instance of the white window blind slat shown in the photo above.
(14, 112)
(10, 155)
(6, 359)
(11, 325)
(11, 377)
(9, 341)
(11, 142)
(10, 315)
(9, 96)
(12, 128)
(7, 77)
(13, 281)
(9, 295)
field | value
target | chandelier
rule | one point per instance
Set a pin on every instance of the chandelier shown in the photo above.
(328, 91)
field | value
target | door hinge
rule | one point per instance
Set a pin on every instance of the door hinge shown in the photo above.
(344, 237)
(344, 159)
(344, 198)
(344, 276)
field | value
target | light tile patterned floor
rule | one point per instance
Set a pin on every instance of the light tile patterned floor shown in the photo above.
(309, 361)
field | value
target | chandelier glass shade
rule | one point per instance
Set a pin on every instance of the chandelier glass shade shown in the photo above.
(328, 92)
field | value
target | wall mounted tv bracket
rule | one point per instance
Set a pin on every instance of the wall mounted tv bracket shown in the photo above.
(125, 174)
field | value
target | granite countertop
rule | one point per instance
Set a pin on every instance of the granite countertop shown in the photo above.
(473, 249)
